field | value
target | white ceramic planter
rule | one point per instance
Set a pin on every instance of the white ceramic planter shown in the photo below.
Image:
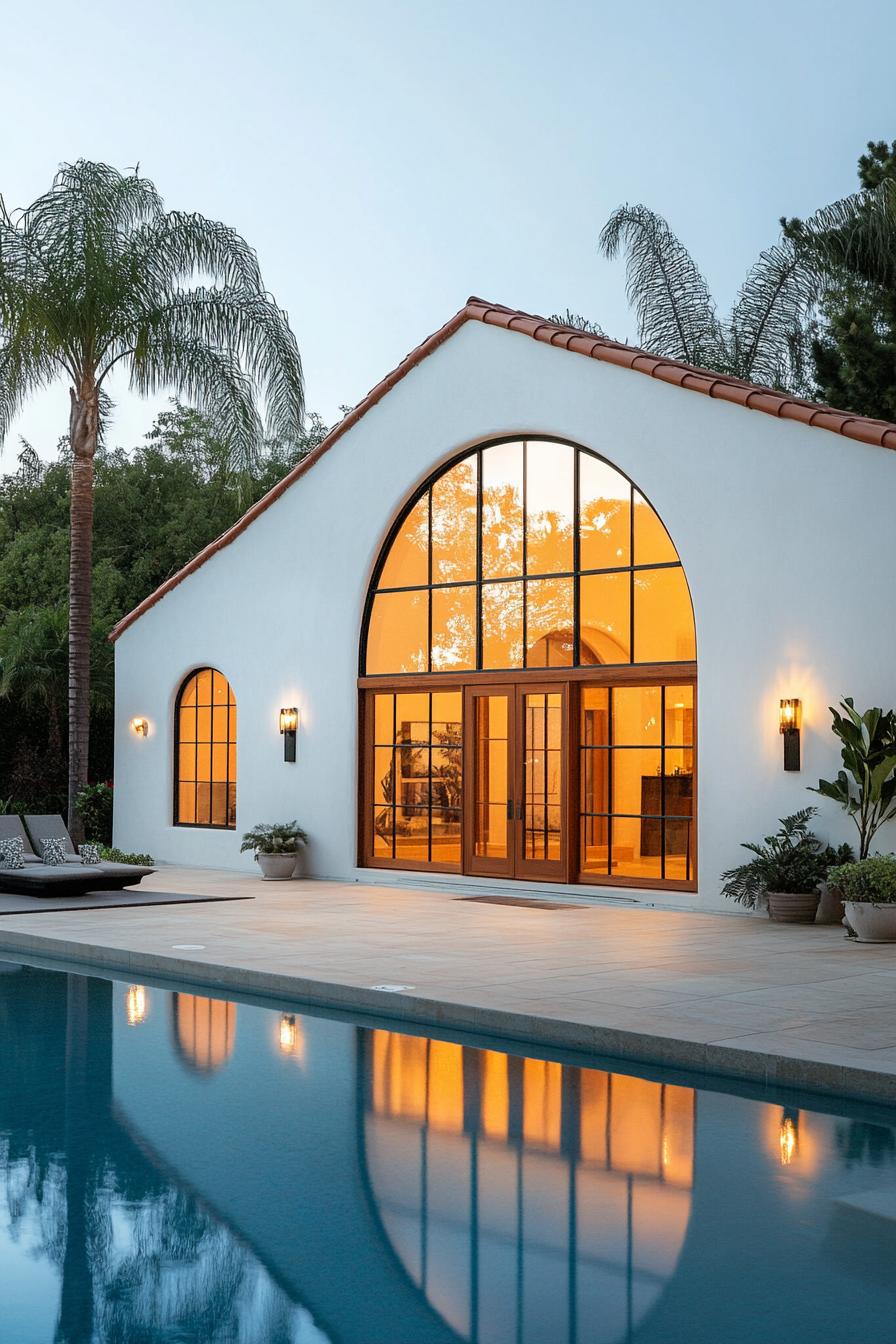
(277, 867)
(872, 923)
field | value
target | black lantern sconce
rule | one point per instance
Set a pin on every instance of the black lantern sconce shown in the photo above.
(790, 719)
(289, 727)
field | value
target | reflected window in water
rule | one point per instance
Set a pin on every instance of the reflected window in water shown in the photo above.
(204, 1030)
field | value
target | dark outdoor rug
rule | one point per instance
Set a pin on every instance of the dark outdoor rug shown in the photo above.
(99, 900)
(525, 901)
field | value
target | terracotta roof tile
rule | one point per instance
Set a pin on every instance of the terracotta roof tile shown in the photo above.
(879, 433)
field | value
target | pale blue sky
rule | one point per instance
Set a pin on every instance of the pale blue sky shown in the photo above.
(389, 159)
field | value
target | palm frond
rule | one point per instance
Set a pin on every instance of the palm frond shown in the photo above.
(854, 235)
(768, 330)
(675, 312)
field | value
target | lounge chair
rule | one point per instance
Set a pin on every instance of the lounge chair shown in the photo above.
(72, 878)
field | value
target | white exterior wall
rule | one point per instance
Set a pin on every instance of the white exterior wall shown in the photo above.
(780, 528)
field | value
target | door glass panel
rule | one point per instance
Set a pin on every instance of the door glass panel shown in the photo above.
(679, 716)
(549, 508)
(502, 625)
(637, 781)
(412, 834)
(542, 775)
(502, 511)
(454, 524)
(636, 850)
(407, 563)
(637, 716)
(491, 749)
(549, 623)
(604, 515)
(384, 719)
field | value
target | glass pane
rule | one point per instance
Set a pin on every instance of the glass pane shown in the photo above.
(637, 782)
(398, 634)
(383, 726)
(549, 507)
(232, 731)
(186, 804)
(203, 761)
(542, 775)
(220, 714)
(445, 835)
(490, 774)
(679, 765)
(679, 851)
(502, 625)
(453, 628)
(219, 761)
(604, 515)
(187, 725)
(653, 545)
(664, 621)
(383, 825)
(231, 804)
(204, 724)
(447, 778)
(412, 717)
(231, 760)
(447, 715)
(637, 711)
(412, 834)
(203, 804)
(637, 842)
(679, 716)
(549, 623)
(595, 716)
(605, 619)
(454, 524)
(407, 563)
(383, 782)
(204, 686)
(595, 780)
(219, 804)
(595, 844)
(502, 511)
(220, 689)
(187, 762)
(188, 695)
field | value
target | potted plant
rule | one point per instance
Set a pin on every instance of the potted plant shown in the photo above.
(869, 895)
(866, 787)
(276, 848)
(787, 868)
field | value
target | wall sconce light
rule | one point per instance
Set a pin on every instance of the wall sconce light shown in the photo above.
(140, 727)
(791, 719)
(136, 1005)
(289, 727)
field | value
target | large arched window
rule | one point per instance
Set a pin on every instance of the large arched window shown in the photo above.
(528, 663)
(205, 752)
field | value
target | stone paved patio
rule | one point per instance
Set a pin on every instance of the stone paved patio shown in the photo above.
(796, 1005)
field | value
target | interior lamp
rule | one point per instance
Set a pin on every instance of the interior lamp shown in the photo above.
(790, 720)
(289, 727)
(140, 727)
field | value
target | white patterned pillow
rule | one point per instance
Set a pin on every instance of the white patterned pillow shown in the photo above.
(12, 853)
(53, 852)
(89, 853)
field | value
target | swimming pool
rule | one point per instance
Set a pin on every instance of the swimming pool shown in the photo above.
(184, 1168)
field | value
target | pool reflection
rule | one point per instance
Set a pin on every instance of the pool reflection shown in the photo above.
(177, 1166)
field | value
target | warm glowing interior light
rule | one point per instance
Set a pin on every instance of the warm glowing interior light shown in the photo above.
(790, 715)
(788, 1140)
(136, 1005)
(139, 726)
(289, 720)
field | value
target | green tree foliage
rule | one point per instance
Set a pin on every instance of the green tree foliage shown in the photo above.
(154, 508)
(854, 242)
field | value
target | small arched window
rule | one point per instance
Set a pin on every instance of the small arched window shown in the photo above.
(205, 752)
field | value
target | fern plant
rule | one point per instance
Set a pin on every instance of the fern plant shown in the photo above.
(279, 837)
(792, 860)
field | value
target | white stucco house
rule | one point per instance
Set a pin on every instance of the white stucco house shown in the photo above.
(533, 607)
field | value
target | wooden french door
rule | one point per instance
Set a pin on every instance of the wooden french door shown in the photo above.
(515, 773)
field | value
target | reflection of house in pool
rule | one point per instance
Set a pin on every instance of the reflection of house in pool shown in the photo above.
(203, 1030)
(523, 1194)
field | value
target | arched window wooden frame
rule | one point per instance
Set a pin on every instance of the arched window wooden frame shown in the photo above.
(205, 752)
(615, 641)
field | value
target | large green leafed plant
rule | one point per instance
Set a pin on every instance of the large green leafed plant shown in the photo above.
(792, 860)
(866, 787)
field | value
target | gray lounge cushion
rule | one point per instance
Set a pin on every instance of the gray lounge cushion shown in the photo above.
(11, 828)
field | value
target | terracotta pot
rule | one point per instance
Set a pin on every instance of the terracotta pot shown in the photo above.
(872, 923)
(277, 867)
(787, 907)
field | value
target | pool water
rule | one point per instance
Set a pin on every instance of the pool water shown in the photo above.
(178, 1167)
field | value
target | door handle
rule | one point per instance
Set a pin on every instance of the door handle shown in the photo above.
(510, 809)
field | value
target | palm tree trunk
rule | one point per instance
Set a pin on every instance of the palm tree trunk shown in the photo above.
(83, 428)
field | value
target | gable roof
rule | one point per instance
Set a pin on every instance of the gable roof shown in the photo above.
(878, 433)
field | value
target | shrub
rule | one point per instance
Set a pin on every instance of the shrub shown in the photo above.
(866, 787)
(95, 808)
(872, 880)
(279, 837)
(110, 855)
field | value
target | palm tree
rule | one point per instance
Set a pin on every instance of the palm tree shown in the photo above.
(763, 339)
(96, 275)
